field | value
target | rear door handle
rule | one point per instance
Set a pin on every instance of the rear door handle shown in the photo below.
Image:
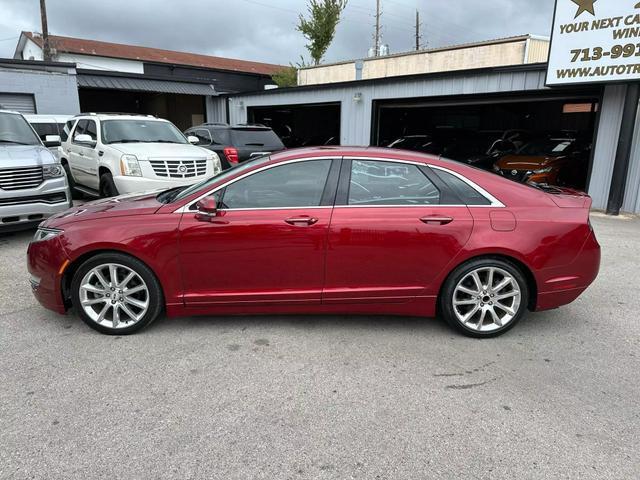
(301, 220)
(436, 220)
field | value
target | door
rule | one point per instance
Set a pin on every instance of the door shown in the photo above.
(266, 245)
(393, 230)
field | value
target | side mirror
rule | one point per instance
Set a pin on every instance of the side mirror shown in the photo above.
(193, 140)
(84, 139)
(207, 209)
(52, 141)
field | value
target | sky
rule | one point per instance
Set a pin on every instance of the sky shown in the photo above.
(264, 30)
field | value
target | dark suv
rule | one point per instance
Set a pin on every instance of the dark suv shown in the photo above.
(236, 144)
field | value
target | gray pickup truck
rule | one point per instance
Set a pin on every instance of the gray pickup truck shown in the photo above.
(33, 185)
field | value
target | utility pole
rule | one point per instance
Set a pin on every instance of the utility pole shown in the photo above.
(46, 47)
(376, 46)
(418, 37)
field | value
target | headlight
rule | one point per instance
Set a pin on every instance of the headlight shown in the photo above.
(43, 234)
(53, 170)
(129, 166)
(543, 170)
(215, 160)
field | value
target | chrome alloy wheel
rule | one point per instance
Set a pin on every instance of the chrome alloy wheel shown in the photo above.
(114, 296)
(486, 299)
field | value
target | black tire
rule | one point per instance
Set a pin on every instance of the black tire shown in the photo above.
(75, 194)
(107, 186)
(448, 290)
(156, 299)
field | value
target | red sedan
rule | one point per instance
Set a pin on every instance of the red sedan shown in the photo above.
(323, 230)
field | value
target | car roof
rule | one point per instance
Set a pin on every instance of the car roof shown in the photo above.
(369, 152)
(109, 116)
(42, 118)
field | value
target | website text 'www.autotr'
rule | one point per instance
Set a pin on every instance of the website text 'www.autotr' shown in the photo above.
(580, 72)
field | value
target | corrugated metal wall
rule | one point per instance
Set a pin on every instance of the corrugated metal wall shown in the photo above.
(356, 116)
(216, 108)
(632, 193)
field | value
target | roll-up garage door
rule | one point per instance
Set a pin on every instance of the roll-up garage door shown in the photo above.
(19, 102)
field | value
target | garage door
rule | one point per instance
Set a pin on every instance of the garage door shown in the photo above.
(19, 102)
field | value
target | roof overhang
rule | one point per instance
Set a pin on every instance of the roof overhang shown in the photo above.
(138, 84)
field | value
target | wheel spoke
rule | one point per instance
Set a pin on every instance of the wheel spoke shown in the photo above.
(506, 281)
(476, 279)
(507, 295)
(100, 278)
(113, 274)
(468, 291)
(93, 289)
(131, 291)
(481, 321)
(127, 279)
(508, 310)
(465, 302)
(93, 301)
(490, 279)
(129, 313)
(135, 302)
(116, 316)
(103, 312)
(495, 317)
(470, 314)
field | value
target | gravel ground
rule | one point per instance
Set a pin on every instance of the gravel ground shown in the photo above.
(331, 397)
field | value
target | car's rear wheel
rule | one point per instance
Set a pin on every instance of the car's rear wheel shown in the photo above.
(116, 294)
(484, 297)
(107, 186)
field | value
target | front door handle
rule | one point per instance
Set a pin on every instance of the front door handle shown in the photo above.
(301, 220)
(436, 220)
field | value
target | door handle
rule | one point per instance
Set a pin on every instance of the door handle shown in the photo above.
(301, 220)
(81, 154)
(436, 220)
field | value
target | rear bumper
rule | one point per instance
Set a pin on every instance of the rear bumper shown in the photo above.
(45, 263)
(561, 286)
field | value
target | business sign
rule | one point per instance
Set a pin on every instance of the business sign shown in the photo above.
(594, 41)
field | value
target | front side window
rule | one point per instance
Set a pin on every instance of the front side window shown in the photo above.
(15, 129)
(204, 137)
(140, 131)
(299, 184)
(92, 130)
(390, 183)
(81, 128)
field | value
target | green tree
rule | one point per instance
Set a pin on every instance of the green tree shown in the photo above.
(287, 77)
(320, 28)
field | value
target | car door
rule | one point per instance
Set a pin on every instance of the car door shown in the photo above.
(73, 153)
(89, 156)
(266, 244)
(393, 230)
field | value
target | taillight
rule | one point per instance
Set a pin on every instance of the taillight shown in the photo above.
(232, 155)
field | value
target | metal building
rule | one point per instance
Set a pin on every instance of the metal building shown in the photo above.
(355, 110)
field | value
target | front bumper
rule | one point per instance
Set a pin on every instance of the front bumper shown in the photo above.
(29, 206)
(46, 262)
(127, 184)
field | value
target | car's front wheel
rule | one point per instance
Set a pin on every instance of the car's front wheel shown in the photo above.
(108, 186)
(116, 294)
(484, 297)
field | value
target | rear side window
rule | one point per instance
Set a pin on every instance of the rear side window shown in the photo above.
(255, 137)
(44, 129)
(390, 183)
(466, 193)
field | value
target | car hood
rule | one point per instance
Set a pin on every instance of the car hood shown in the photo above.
(525, 162)
(123, 205)
(145, 151)
(12, 156)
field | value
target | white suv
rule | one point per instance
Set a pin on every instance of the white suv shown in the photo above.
(111, 154)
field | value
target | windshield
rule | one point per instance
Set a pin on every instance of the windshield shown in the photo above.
(14, 129)
(183, 192)
(140, 131)
(547, 147)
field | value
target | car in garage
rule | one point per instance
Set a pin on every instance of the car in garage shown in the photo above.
(109, 154)
(33, 185)
(238, 143)
(553, 160)
(322, 230)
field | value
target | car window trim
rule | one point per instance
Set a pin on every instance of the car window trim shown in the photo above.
(493, 201)
(186, 208)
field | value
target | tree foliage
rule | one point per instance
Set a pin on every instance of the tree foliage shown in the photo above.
(320, 28)
(287, 77)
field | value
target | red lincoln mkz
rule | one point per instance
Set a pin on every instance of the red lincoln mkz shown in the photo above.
(323, 230)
